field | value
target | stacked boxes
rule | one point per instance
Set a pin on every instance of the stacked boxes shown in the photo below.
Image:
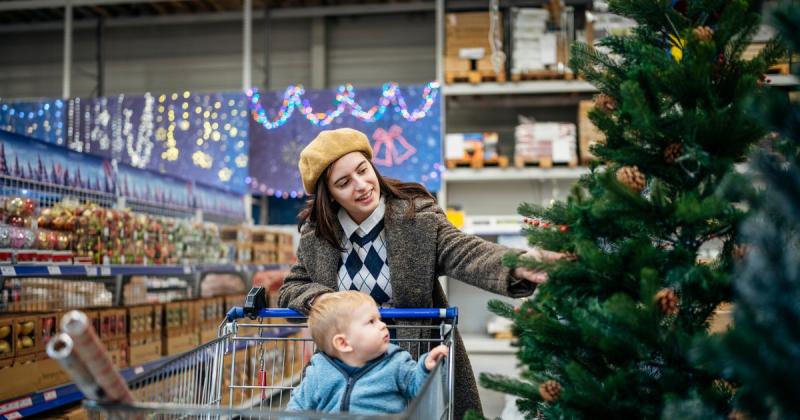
(236, 239)
(467, 49)
(179, 334)
(286, 254)
(114, 334)
(144, 334)
(265, 246)
(27, 336)
(533, 48)
(7, 340)
(540, 42)
(473, 149)
(209, 316)
(22, 357)
(545, 143)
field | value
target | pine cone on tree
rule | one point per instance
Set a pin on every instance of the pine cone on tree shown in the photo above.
(738, 415)
(667, 301)
(550, 390)
(703, 33)
(605, 103)
(673, 152)
(739, 251)
(631, 177)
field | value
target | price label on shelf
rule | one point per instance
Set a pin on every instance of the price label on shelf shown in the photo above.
(54, 270)
(138, 370)
(50, 395)
(8, 270)
(91, 271)
(105, 271)
(187, 269)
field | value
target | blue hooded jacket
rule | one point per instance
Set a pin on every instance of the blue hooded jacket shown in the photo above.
(384, 385)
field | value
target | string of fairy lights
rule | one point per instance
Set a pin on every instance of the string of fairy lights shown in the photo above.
(345, 99)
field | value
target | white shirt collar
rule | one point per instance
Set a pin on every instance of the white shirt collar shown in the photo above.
(349, 226)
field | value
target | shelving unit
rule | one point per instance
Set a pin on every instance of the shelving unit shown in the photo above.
(25, 270)
(513, 174)
(39, 402)
(519, 88)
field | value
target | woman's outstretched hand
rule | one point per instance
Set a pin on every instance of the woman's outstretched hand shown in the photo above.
(538, 276)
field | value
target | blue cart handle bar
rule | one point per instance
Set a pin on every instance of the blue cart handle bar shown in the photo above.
(237, 312)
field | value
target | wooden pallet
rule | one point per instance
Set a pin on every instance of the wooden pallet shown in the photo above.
(543, 162)
(474, 76)
(542, 75)
(501, 162)
(780, 68)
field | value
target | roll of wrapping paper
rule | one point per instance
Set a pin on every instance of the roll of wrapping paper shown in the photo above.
(93, 354)
(61, 349)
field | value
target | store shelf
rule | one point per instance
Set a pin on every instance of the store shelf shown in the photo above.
(519, 88)
(485, 344)
(39, 402)
(54, 270)
(36, 403)
(493, 225)
(270, 392)
(782, 80)
(513, 174)
(540, 87)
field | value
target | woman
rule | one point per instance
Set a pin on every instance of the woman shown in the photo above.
(388, 239)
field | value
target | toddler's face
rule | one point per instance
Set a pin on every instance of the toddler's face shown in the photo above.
(367, 334)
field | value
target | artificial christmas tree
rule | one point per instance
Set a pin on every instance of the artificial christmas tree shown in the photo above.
(613, 327)
(760, 353)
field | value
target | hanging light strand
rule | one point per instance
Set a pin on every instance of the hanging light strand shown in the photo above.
(345, 101)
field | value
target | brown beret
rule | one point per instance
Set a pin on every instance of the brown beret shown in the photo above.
(325, 149)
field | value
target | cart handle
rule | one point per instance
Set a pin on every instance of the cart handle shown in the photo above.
(237, 312)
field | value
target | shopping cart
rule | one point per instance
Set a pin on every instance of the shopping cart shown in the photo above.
(249, 371)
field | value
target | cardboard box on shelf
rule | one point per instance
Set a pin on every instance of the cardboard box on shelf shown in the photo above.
(26, 380)
(113, 324)
(50, 372)
(7, 339)
(179, 342)
(142, 353)
(27, 335)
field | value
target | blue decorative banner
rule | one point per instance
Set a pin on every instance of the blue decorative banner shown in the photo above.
(219, 202)
(403, 125)
(32, 160)
(147, 187)
(198, 137)
(43, 120)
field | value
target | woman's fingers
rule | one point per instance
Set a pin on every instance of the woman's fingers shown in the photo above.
(532, 276)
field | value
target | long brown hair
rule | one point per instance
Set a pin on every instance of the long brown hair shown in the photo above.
(321, 210)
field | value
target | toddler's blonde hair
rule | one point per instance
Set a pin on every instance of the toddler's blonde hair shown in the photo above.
(331, 314)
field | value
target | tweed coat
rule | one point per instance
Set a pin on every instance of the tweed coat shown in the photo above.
(420, 249)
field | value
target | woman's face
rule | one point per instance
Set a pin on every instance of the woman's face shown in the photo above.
(354, 185)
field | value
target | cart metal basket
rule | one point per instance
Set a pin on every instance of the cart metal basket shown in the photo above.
(250, 369)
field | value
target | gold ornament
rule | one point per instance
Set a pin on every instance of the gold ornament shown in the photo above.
(550, 390)
(667, 301)
(605, 103)
(703, 33)
(673, 152)
(631, 177)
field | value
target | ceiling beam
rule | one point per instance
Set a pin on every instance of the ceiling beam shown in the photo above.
(46, 4)
(277, 14)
